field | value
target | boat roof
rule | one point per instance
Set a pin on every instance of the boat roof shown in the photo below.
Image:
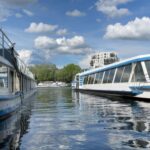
(117, 64)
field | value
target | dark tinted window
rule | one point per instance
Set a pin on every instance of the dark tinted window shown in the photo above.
(96, 78)
(85, 80)
(119, 74)
(111, 75)
(106, 76)
(147, 63)
(126, 73)
(91, 79)
(138, 75)
(88, 77)
(99, 77)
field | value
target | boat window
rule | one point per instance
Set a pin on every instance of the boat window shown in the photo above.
(99, 76)
(96, 78)
(3, 76)
(91, 79)
(106, 76)
(119, 74)
(138, 75)
(147, 63)
(88, 79)
(93, 76)
(103, 73)
(126, 73)
(85, 80)
(111, 75)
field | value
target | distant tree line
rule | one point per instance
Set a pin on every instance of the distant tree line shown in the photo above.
(49, 72)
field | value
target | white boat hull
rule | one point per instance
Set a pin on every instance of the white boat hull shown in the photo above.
(119, 89)
(10, 103)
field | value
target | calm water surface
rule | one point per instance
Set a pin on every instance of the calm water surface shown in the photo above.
(58, 118)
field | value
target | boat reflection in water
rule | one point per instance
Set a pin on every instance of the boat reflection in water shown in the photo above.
(13, 128)
(59, 118)
(126, 122)
(10, 132)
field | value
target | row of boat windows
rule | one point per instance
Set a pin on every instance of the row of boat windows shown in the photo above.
(10, 81)
(26, 84)
(117, 75)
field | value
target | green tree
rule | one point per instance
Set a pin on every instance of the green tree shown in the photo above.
(70, 71)
(44, 72)
(49, 72)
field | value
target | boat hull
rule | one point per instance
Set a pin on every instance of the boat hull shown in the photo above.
(113, 94)
(131, 90)
(10, 103)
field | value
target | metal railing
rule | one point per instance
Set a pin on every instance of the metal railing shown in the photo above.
(4, 40)
(6, 47)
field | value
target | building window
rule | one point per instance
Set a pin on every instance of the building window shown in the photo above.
(138, 75)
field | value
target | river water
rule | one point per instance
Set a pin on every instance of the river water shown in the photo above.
(60, 119)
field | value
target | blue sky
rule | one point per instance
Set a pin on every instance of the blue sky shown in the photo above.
(70, 31)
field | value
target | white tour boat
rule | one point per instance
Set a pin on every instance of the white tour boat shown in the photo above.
(16, 81)
(127, 78)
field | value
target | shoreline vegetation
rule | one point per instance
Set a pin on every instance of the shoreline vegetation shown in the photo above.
(49, 72)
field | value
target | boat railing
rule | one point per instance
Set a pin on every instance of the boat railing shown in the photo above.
(6, 47)
(5, 39)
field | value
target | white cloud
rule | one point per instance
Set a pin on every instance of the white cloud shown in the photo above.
(110, 7)
(25, 55)
(28, 13)
(41, 27)
(62, 32)
(136, 29)
(85, 62)
(75, 13)
(44, 42)
(75, 45)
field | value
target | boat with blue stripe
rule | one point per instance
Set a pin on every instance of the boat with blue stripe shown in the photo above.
(126, 78)
(16, 81)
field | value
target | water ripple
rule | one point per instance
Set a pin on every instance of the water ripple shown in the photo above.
(58, 118)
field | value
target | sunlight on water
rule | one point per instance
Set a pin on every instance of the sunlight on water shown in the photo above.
(59, 118)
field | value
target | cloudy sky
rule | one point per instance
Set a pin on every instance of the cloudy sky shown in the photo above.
(69, 31)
